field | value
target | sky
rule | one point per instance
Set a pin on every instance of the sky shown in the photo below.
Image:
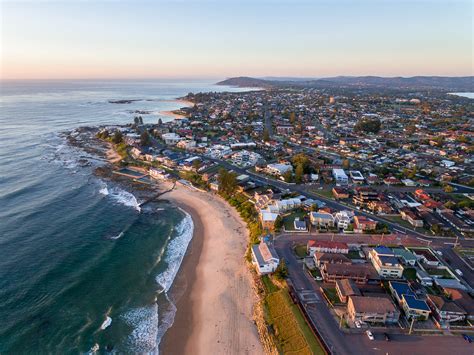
(88, 39)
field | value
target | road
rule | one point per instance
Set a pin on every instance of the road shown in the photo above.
(358, 343)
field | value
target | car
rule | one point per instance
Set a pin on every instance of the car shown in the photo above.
(459, 272)
(369, 335)
(387, 337)
(439, 253)
(467, 338)
(358, 324)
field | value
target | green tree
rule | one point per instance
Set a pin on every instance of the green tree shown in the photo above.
(303, 160)
(266, 135)
(281, 271)
(314, 207)
(278, 223)
(117, 137)
(448, 188)
(196, 164)
(227, 182)
(288, 176)
(368, 125)
(299, 173)
(160, 121)
(145, 139)
(292, 118)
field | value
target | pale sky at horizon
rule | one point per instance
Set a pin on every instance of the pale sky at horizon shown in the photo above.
(217, 39)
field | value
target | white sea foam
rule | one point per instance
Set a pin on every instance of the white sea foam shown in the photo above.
(118, 236)
(120, 196)
(107, 322)
(144, 321)
(175, 252)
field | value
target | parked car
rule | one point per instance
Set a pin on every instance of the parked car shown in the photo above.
(459, 272)
(358, 324)
(467, 338)
(369, 335)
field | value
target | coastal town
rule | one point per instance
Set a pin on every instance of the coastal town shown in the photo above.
(360, 208)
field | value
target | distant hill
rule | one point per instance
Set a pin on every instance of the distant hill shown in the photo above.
(441, 83)
(245, 81)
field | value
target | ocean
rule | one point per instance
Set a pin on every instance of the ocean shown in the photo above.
(81, 265)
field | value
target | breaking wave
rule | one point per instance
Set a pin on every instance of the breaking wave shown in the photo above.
(120, 196)
(175, 252)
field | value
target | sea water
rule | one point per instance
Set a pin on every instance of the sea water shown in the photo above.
(82, 266)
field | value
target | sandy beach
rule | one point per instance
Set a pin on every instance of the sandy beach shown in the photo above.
(215, 307)
(111, 154)
(183, 103)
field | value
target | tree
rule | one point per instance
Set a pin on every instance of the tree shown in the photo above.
(288, 176)
(160, 121)
(196, 164)
(301, 159)
(292, 118)
(299, 172)
(145, 139)
(227, 182)
(266, 135)
(346, 164)
(118, 137)
(448, 188)
(278, 223)
(281, 271)
(368, 125)
(314, 207)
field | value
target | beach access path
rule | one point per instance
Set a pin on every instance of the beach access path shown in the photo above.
(214, 314)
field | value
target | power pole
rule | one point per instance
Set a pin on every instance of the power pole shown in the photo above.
(411, 325)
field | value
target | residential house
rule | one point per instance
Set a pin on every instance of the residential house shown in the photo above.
(372, 310)
(445, 311)
(321, 219)
(385, 262)
(330, 258)
(267, 219)
(346, 288)
(363, 224)
(360, 273)
(264, 258)
(406, 298)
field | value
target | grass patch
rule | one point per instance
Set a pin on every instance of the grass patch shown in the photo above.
(409, 274)
(354, 254)
(324, 192)
(291, 331)
(270, 287)
(331, 294)
(288, 220)
(301, 251)
(315, 273)
(440, 272)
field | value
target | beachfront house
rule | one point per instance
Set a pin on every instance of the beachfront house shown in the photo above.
(264, 258)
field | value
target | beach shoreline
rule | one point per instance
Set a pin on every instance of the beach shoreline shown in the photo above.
(215, 307)
(174, 113)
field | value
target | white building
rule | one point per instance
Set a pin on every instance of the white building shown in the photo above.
(288, 204)
(356, 176)
(279, 169)
(264, 258)
(158, 174)
(170, 138)
(340, 176)
(343, 219)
